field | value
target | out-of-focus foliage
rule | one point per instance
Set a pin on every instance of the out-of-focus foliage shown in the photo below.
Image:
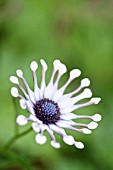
(80, 33)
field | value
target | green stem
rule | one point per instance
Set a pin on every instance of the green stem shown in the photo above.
(8, 145)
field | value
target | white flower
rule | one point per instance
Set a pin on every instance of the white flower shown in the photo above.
(50, 109)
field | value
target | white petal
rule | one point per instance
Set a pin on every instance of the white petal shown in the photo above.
(14, 79)
(79, 145)
(14, 92)
(50, 132)
(56, 64)
(21, 120)
(55, 144)
(68, 116)
(30, 92)
(32, 96)
(33, 66)
(43, 83)
(95, 100)
(33, 118)
(75, 73)
(19, 73)
(36, 88)
(23, 103)
(65, 102)
(68, 109)
(43, 127)
(86, 131)
(30, 108)
(85, 94)
(49, 91)
(35, 127)
(40, 139)
(92, 125)
(58, 94)
(69, 140)
(85, 82)
(44, 64)
(57, 129)
(29, 103)
(52, 86)
(62, 68)
(65, 123)
(61, 71)
(97, 117)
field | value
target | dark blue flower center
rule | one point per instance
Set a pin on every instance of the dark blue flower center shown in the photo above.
(47, 111)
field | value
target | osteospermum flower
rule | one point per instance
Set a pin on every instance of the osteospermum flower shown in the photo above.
(50, 109)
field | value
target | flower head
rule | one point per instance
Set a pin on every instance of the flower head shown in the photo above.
(50, 109)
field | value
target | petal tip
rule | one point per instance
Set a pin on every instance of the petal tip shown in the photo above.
(87, 92)
(56, 64)
(79, 145)
(21, 120)
(86, 131)
(69, 140)
(95, 100)
(44, 64)
(14, 79)
(19, 73)
(33, 66)
(22, 103)
(55, 144)
(85, 82)
(75, 73)
(92, 125)
(63, 68)
(41, 139)
(97, 117)
(14, 92)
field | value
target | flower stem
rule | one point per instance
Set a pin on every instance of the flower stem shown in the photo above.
(8, 145)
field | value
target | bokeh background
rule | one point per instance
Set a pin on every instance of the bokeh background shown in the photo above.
(80, 34)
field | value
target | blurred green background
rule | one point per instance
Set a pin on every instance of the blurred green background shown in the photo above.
(80, 34)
